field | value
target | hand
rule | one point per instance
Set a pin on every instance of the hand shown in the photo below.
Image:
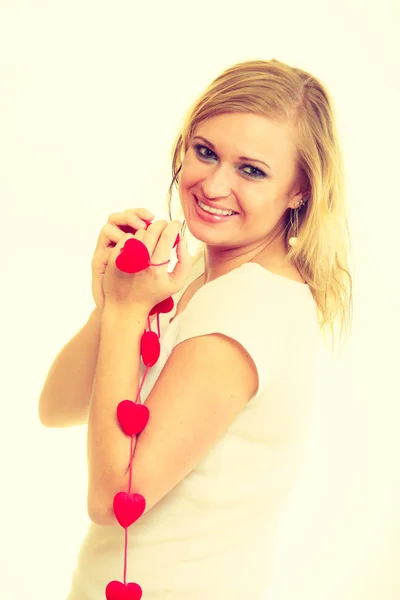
(114, 231)
(150, 286)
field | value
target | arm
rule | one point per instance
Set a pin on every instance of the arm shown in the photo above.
(116, 379)
(189, 411)
(64, 399)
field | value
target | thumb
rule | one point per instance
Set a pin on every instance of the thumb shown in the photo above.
(185, 262)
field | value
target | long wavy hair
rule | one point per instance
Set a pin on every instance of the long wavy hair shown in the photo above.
(278, 91)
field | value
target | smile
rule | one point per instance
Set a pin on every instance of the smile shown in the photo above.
(211, 217)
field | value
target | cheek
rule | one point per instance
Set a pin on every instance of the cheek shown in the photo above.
(192, 172)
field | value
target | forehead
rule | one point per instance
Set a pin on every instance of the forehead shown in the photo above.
(246, 134)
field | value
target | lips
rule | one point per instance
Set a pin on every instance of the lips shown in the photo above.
(212, 206)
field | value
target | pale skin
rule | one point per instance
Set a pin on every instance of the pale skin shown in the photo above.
(267, 196)
(217, 175)
(189, 414)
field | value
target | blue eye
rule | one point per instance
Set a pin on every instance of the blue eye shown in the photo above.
(198, 146)
(256, 173)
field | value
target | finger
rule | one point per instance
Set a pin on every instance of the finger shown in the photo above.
(163, 249)
(111, 235)
(184, 265)
(152, 235)
(127, 220)
(143, 213)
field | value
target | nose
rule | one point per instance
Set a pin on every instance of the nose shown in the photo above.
(216, 184)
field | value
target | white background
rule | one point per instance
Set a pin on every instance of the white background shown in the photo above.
(91, 96)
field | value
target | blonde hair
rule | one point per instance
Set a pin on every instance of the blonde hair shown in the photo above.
(275, 90)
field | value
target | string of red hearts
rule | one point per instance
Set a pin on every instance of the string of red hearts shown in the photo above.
(133, 416)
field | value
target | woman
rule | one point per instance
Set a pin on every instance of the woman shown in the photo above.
(231, 395)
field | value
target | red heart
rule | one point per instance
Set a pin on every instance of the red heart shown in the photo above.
(116, 590)
(132, 417)
(163, 307)
(128, 508)
(134, 257)
(150, 348)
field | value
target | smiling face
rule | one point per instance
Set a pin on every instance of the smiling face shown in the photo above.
(259, 188)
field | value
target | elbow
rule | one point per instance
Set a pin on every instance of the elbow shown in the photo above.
(101, 491)
(47, 417)
(97, 519)
(100, 507)
(49, 423)
(99, 515)
(43, 419)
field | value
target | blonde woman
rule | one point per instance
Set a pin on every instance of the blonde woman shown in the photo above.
(258, 168)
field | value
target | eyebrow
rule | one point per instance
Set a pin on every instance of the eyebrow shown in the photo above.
(240, 157)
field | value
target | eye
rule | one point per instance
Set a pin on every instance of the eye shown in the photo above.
(257, 173)
(208, 154)
(198, 147)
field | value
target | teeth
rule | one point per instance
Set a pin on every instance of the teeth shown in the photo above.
(215, 211)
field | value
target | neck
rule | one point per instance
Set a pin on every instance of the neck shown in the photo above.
(221, 262)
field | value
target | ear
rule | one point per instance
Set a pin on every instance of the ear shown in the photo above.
(299, 197)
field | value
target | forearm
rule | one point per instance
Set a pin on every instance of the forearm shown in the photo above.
(65, 397)
(116, 379)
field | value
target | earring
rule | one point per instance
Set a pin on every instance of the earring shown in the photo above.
(293, 240)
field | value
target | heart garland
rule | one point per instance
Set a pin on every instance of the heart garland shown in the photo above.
(133, 416)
